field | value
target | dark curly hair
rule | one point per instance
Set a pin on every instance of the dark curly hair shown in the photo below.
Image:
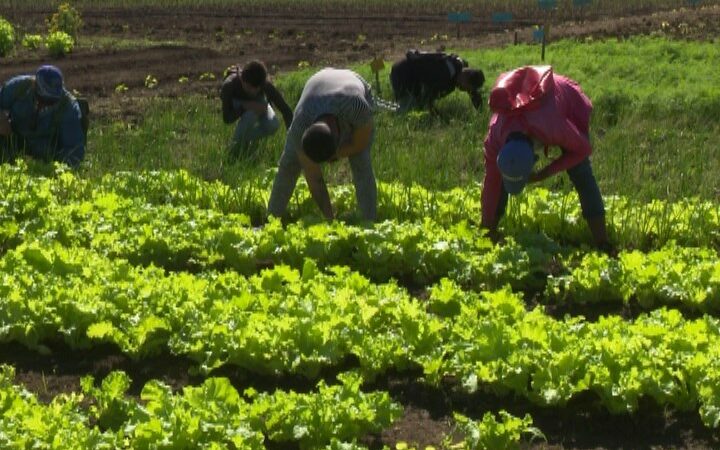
(254, 73)
(318, 142)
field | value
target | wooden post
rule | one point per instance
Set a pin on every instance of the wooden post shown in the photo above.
(376, 65)
(547, 6)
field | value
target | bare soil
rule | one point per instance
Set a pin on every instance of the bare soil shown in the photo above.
(124, 46)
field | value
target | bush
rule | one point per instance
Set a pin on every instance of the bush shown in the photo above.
(67, 19)
(59, 43)
(7, 37)
(32, 41)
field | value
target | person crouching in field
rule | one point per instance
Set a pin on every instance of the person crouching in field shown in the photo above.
(39, 117)
(421, 78)
(246, 96)
(534, 105)
(333, 120)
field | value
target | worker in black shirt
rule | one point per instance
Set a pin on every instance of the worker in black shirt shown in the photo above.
(246, 96)
(422, 77)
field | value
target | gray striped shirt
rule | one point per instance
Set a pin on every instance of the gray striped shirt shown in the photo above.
(339, 92)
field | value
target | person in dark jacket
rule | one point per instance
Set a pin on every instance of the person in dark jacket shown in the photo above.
(40, 118)
(421, 78)
(247, 95)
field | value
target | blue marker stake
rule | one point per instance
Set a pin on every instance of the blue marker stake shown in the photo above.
(502, 17)
(458, 18)
(538, 35)
(547, 5)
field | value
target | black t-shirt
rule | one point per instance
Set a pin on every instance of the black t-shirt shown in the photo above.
(425, 76)
(232, 89)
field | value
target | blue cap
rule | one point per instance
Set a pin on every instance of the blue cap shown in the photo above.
(49, 82)
(515, 161)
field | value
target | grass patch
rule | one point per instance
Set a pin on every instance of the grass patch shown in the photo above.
(115, 43)
(652, 129)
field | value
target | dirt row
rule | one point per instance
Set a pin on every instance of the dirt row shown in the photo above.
(122, 47)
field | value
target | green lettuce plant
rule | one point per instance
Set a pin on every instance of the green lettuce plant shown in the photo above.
(32, 41)
(7, 37)
(59, 43)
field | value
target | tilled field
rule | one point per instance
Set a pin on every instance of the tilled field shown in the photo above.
(128, 45)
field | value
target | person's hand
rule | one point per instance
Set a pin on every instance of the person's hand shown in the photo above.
(536, 177)
(5, 128)
(259, 108)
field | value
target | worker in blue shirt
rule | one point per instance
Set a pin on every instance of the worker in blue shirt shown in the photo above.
(40, 118)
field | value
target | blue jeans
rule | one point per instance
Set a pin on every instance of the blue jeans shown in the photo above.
(289, 170)
(582, 177)
(591, 200)
(250, 127)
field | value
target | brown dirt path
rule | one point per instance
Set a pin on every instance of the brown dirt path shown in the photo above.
(128, 45)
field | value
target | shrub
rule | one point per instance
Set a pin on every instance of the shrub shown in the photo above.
(32, 41)
(67, 19)
(59, 43)
(7, 37)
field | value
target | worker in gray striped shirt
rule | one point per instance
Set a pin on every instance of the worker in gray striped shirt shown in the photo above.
(333, 120)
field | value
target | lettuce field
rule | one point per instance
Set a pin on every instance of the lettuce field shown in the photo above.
(164, 263)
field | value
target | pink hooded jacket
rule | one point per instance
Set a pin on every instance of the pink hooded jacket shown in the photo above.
(546, 107)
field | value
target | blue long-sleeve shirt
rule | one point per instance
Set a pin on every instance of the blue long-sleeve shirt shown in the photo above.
(51, 133)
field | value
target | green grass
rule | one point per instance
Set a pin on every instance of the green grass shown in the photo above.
(654, 125)
(107, 42)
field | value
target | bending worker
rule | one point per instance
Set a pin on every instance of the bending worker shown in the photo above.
(246, 95)
(534, 106)
(39, 117)
(333, 120)
(421, 78)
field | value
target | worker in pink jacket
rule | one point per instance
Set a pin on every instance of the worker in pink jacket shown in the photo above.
(533, 106)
